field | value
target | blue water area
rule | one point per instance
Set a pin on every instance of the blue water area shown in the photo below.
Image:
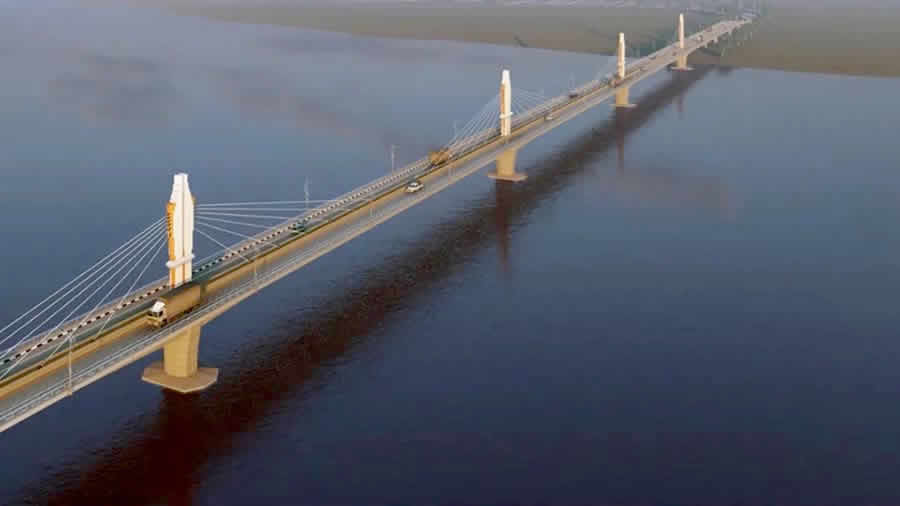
(687, 303)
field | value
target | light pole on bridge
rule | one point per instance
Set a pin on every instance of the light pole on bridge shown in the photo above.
(392, 158)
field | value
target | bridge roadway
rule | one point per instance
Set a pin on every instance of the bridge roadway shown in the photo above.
(255, 263)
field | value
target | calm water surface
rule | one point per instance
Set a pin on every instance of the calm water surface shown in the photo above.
(691, 303)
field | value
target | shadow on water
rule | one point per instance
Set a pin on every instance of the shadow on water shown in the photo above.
(107, 88)
(266, 99)
(113, 89)
(159, 462)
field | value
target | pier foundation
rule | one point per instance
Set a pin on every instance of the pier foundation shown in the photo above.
(178, 370)
(622, 98)
(506, 168)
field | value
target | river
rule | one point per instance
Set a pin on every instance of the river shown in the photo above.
(687, 303)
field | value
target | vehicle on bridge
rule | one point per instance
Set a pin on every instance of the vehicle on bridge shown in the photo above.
(439, 156)
(177, 302)
(297, 228)
(414, 186)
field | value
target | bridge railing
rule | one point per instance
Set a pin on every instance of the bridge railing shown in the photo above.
(61, 387)
(159, 286)
(60, 330)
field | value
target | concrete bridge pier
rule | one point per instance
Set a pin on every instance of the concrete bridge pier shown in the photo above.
(622, 101)
(178, 370)
(506, 168)
(681, 63)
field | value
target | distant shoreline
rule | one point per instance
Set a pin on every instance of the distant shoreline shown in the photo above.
(577, 29)
(834, 41)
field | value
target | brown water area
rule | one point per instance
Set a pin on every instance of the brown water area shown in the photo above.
(793, 36)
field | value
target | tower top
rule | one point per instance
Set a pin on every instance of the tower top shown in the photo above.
(180, 187)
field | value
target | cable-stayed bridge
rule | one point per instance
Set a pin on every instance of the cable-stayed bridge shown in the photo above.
(105, 318)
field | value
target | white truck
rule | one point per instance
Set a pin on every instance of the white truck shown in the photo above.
(176, 302)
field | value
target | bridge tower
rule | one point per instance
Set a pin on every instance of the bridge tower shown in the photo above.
(505, 105)
(178, 370)
(620, 57)
(506, 162)
(621, 90)
(681, 59)
(180, 220)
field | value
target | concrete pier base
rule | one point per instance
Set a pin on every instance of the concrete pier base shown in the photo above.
(681, 64)
(203, 378)
(178, 370)
(622, 101)
(506, 168)
(515, 178)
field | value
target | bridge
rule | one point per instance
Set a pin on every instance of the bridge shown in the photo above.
(43, 362)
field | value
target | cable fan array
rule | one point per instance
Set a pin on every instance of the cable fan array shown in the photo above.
(104, 287)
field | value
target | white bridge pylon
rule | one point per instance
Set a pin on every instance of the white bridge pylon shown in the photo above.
(620, 57)
(505, 105)
(622, 101)
(180, 221)
(681, 60)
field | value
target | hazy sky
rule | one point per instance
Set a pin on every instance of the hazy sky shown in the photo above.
(836, 3)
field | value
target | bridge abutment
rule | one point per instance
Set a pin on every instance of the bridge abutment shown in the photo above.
(178, 370)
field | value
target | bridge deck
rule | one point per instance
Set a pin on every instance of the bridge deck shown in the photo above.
(275, 253)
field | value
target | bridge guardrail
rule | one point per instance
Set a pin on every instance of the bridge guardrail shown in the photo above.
(84, 377)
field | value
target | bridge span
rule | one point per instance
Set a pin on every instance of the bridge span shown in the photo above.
(40, 369)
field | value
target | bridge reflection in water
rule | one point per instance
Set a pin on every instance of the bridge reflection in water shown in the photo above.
(189, 431)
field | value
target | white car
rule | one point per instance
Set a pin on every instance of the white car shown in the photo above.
(414, 186)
